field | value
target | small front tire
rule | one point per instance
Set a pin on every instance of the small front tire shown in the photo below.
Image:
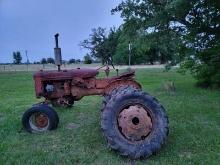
(40, 118)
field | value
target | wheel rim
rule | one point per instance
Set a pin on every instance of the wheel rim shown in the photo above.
(39, 122)
(135, 123)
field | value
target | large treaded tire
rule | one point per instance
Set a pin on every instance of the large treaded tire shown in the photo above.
(50, 113)
(111, 108)
(107, 97)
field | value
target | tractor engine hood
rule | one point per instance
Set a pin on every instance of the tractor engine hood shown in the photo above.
(66, 74)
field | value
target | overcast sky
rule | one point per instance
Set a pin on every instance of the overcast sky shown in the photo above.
(31, 24)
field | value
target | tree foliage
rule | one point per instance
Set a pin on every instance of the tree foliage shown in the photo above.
(176, 31)
(78, 61)
(72, 61)
(102, 45)
(147, 25)
(43, 61)
(203, 39)
(87, 59)
(166, 31)
(50, 60)
(17, 57)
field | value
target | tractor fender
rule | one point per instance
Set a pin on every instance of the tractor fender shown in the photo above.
(119, 83)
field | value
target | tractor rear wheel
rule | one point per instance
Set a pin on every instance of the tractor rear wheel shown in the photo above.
(40, 118)
(134, 123)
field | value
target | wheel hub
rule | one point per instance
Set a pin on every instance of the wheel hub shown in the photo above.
(41, 120)
(135, 123)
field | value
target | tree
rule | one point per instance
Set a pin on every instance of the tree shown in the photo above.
(17, 57)
(147, 23)
(102, 45)
(179, 31)
(203, 39)
(43, 61)
(50, 60)
(72, 61)
(36, 62)
(78, 61)
(125, 36)
(87, 59)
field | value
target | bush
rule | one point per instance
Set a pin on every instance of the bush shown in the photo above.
(43, 61)
(50, 60)
(72, 61)
(87, 59)
(205, 67)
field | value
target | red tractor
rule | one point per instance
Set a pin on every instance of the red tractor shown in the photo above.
(133, 122)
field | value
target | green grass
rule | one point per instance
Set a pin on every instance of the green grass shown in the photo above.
(194, 116)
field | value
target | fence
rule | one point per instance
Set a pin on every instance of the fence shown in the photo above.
(37, 67)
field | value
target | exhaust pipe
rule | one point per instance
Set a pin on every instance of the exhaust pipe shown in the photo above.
(57, 53)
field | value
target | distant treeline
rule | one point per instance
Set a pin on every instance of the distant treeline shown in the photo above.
(86, 60)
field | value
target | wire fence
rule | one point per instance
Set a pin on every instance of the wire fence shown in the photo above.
(37, 67)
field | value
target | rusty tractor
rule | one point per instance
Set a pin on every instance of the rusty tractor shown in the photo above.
(134, 123)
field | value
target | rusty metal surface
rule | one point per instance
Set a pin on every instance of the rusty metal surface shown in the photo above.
(60, 85)
(67, 88)
(134, 123)
(57, 52)
(78, 83)
(41, 120)
(63, 101)
(79, 93)
(127, 74)
(66, 74)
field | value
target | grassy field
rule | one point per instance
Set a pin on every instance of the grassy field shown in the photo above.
(194, 116)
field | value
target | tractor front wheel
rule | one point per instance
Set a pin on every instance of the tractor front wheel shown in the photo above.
(40, 118)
